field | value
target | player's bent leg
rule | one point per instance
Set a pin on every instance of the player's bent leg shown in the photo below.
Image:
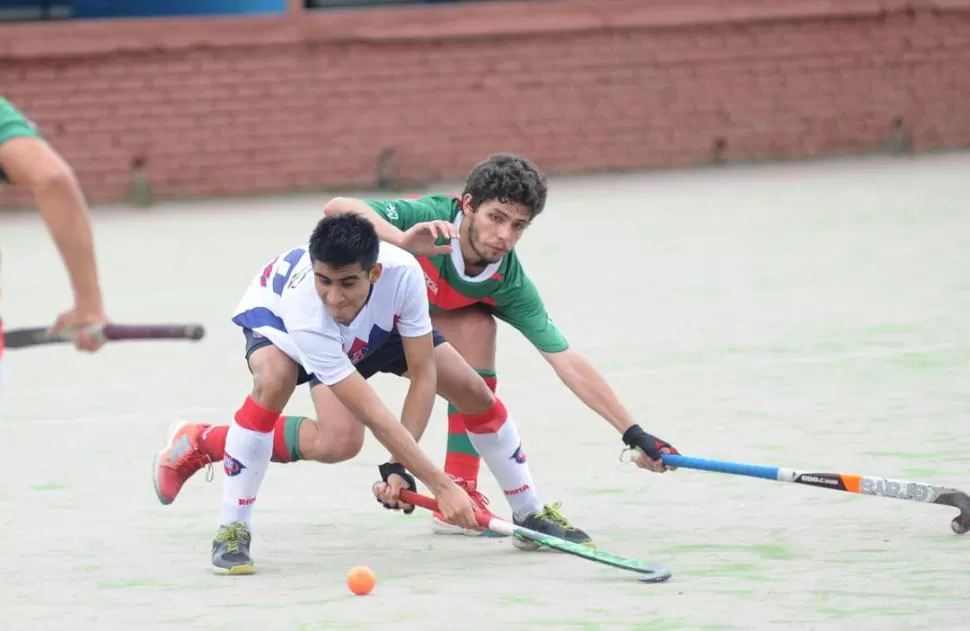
(472, 332)
(493, 433)
(194, 446)
(337, 436)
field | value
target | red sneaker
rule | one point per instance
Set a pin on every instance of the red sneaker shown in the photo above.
(179, 461)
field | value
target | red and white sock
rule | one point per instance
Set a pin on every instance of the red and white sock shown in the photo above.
(249, 447)
(496, 439)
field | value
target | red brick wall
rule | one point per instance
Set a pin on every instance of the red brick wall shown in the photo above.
(236, 106)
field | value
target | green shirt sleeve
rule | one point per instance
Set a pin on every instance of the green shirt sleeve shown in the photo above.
(13, 124)
(404, 213)
(520, 305)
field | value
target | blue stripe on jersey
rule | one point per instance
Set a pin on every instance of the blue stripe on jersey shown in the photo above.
(279, 280)
(259, 317)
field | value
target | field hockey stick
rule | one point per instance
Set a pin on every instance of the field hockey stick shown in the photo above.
(36, 336)
(646, 572)
(847, 482)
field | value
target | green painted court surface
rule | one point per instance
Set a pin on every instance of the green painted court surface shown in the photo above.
(814, 316)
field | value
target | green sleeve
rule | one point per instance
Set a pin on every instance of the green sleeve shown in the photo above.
(13, 124)
(520, 305)
(404, 213)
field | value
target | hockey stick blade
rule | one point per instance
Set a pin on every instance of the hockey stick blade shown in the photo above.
(37, 336)
(845, 482)
(646, 572)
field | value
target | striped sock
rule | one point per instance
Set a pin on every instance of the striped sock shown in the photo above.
(286, 440)
(461, 458)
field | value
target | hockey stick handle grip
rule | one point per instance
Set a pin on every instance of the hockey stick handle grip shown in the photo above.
(36, 336)
(431, 504)
(154, 331)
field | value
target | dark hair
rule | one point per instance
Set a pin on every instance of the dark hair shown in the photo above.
(508, 178)
(344, 239)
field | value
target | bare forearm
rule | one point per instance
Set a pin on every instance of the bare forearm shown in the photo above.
(418, 405)
(385, 230)
(580, 376)
(405, 450)
(65, 213)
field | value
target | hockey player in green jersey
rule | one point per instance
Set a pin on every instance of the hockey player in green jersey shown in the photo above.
(466, 248)
(29, 162)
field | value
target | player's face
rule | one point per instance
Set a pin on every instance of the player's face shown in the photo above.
(344, 290)
(493, 229)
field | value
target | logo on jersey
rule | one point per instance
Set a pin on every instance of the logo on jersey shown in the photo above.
(296, 278)
(432, 286)
(518, 455)
(391, 211)
(375, 339)
(232, 466)
(358, 351)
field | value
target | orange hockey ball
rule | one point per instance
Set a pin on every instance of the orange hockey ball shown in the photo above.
(361, 580)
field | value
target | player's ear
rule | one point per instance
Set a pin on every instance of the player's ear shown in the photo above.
(466, 204)
(375, 272)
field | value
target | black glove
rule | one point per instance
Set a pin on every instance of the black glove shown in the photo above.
(648, 444)
(396, 468)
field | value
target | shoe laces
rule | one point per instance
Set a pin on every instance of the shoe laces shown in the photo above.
(232, 535)
(478, 498)
(191, 462)
(472, 489)
(551, 512)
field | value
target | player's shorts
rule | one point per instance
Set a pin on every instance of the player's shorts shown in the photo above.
(387, 358)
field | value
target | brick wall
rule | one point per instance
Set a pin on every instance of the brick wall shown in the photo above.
(236, 106)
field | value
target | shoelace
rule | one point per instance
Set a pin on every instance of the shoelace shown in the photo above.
(192, 462)
(231, 535)
(551, 511)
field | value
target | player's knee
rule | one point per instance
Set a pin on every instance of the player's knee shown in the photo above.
(272, 391)
(274, 377)
(273, 386)
(336, 447)
(474, 397)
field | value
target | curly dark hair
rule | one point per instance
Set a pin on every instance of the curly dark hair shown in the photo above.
(508, 178)
(345, 239)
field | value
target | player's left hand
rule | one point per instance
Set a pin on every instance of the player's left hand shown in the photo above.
(649, 449)
(84, 326)
(388, 492)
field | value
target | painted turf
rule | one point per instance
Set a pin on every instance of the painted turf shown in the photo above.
(812, 316)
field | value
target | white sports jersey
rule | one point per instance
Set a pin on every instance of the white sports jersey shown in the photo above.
(282, 305)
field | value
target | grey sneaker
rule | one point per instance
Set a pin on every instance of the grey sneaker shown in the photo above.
(230, 550)
(549, 521)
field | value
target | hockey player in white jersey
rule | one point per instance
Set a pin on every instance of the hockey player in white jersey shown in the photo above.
(310, 316)
(377, 321)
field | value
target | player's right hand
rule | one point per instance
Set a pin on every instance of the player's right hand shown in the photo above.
(420, 238)
(84, 326)
(649, 448)
(457, 507)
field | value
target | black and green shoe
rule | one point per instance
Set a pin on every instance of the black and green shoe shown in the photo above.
(549, 521)
(230, 550)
